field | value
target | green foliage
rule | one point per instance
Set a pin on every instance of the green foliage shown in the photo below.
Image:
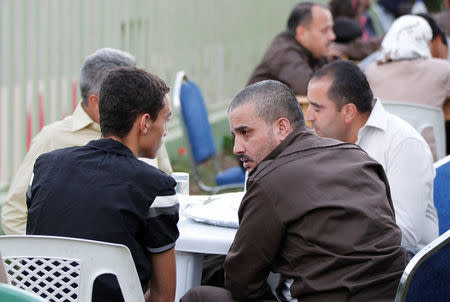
(227, 144)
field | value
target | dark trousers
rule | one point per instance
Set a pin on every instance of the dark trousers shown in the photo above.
(210, 294)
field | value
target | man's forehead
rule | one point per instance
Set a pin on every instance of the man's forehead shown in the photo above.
(243, 109)
(319, 14)
(318, 90)
(243, 116)
(323, 83)
(166, 107)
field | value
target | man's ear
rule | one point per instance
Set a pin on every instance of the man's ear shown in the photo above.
(283, 128)
(145, 123)
(300, 31)
(93, 100)
(92, 107)
(349, 112)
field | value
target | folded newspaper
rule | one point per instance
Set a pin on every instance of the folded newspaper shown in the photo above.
(218, 210)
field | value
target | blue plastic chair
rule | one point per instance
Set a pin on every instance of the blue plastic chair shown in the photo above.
(427, 275)
(188, 100)
(442, 193)
(10, 293)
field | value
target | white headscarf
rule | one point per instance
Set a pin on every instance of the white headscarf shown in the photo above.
(408, 38)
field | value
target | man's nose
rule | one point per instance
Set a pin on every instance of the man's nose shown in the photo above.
(309, 115)
(238, 148)
(332, 35)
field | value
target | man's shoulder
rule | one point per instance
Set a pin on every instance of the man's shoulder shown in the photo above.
(147, 169)
(63, 153)
(440, 64)
(58, 127)
(53, 131)
(283, 42)
(304, 159)
(400, 128)
(142, 173)
(399, 132)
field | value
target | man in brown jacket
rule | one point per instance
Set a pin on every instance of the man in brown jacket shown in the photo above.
(295, 54)
(317, 211)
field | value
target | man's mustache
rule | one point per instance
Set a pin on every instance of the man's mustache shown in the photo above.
(244, 157)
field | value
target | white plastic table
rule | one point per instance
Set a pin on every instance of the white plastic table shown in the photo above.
(197, 239)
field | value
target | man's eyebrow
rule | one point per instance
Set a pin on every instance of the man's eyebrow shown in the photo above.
(240, 128)
(315, 104)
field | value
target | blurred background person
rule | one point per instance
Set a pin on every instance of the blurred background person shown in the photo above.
(296, 53)
(355, 35)
(443, 18)
(405, 70)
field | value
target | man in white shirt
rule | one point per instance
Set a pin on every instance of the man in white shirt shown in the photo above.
(342, 106)
(75, 130)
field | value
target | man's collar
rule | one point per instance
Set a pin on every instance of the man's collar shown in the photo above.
(110, 145)
(283, 146)
(378, 117)
(82, 120)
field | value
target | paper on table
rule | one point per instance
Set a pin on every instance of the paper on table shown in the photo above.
(220, 209)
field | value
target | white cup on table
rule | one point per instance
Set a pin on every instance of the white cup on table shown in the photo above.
(182, 187)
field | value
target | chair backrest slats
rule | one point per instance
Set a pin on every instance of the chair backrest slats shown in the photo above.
(64, 269)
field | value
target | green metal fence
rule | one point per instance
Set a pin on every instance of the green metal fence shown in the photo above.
(44, 43)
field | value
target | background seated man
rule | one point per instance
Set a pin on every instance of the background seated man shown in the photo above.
(302, 48)
(317, 211)
(414, 76)
(75, 130)
(101, 191)
(342, 106)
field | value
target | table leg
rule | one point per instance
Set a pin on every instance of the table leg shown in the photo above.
(189, 272)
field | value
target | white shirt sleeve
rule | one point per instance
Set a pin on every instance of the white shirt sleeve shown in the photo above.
(410, 176)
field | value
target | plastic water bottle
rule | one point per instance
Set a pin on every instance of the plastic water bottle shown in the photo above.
(419, 8)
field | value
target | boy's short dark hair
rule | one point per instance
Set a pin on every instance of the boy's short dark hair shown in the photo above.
(125, 93)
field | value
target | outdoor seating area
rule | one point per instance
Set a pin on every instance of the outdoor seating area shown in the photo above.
(159, 151)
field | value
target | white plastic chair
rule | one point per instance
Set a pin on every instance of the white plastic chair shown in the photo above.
(64, 269)
(421, 117)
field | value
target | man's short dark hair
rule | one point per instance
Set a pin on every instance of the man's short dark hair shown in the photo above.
(349, 85)
(300, 14)
(272, 100)
(125, 93)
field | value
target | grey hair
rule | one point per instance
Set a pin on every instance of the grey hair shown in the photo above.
(97, 65)
(272, 100)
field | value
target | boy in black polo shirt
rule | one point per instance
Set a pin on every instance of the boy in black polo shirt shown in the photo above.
(101, 191)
